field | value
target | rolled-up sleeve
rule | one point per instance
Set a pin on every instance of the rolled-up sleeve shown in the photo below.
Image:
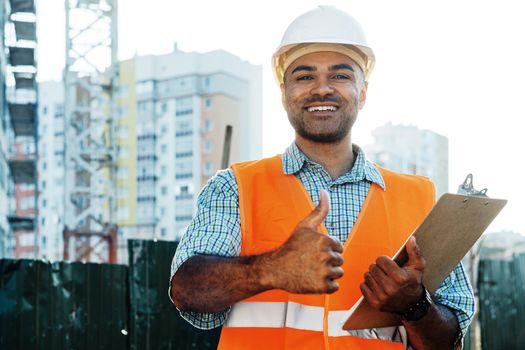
(214, 230)
(456, 293)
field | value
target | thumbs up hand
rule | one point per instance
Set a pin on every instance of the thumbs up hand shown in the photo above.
(309, 262)
(391, 288)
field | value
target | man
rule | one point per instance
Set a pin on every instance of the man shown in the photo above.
(290, 269)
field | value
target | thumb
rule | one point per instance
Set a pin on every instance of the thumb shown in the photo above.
(316, 217)
(415, 258)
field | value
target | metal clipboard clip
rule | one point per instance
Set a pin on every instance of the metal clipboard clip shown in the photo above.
(467, 188)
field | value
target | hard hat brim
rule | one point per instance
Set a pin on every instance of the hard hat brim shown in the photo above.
(362, 55)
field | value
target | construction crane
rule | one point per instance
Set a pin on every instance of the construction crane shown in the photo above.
(91, 85)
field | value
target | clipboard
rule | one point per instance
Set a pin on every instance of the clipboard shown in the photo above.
(448, 232)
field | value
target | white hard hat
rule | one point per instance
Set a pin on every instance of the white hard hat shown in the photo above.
(324, 28)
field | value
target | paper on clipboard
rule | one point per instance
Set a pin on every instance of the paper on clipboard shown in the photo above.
(444, 238)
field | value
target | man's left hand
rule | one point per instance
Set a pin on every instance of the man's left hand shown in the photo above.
(390, 288)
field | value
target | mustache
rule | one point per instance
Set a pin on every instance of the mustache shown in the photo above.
(325, 98)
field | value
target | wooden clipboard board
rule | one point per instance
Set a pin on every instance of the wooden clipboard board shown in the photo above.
(448, 232)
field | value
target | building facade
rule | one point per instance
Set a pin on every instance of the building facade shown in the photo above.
(51, 169)
(4, 170)
(172, 114)
(408, 149)
(18, 101)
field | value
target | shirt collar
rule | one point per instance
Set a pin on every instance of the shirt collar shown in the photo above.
(294, 160)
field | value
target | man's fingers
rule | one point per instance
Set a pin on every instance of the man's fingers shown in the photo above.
(336, 245)
(332, 286)
(335, 273)
(415, 258)
(337, 259)
(316, 217)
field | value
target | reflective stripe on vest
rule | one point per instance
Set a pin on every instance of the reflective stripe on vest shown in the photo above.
(271, 204)
(299, 316)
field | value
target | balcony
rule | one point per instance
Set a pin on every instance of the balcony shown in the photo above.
(26, 6)
(23, 171)
(23, 118)
(25, 81)
(25, 30)
(21, 56)
(21, 223)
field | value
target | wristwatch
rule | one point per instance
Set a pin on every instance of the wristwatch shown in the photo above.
(419, 309)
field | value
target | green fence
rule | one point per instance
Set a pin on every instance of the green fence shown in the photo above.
(79, 306)
(62, 305)
(502, 303)
(155, 323)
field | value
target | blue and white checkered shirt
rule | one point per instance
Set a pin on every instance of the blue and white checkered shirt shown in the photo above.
(215, 229)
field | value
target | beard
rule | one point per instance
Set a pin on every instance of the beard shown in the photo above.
(330, 129)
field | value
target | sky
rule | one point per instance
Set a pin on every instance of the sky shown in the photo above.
(453, 67)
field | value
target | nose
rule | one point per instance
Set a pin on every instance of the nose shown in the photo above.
(322, 87)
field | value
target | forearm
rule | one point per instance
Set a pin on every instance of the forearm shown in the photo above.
(436, 330)
(206, 283)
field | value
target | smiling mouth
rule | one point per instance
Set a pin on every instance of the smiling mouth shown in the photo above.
(322, 108)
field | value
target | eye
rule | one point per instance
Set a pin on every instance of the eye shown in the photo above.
(340, 76)
(304, 77)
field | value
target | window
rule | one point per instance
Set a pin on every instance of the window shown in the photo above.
(208, 146)
(144, 87)
(123, 91)
(184, 106)
(163, 170)
(122, 132)
(122, 152)
(122, 173)
(27, 203)
(208, 168)
(184, 169)
(163, 86)
(122, 192)
(122, 111)
(184, 148)
(122, 213)
(44, 203)
(183, 128)
(163, 232)
(163, 190)
(208, 125)
(163, 148)
(209, 102)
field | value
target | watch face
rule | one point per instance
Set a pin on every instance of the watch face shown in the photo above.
(420, 309)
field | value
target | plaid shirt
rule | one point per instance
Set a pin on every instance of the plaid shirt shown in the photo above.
(215, 229)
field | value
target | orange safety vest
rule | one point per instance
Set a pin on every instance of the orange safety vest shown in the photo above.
(271, 205)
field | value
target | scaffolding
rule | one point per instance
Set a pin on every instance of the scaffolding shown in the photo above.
(90, 78)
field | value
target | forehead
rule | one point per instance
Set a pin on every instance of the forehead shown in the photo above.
(321, 60)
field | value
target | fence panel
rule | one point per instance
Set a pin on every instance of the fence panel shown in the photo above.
(155, 322)
(63, 305)
(502, 303)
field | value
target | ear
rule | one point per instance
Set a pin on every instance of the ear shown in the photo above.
(283, 95)
(362, 95)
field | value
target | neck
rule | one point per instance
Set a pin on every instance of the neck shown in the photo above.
(336, 158)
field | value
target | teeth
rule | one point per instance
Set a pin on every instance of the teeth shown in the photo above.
(322, 108)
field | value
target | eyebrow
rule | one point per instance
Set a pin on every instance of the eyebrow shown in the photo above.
(341, 66)
(335, 67)
(304, 68)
